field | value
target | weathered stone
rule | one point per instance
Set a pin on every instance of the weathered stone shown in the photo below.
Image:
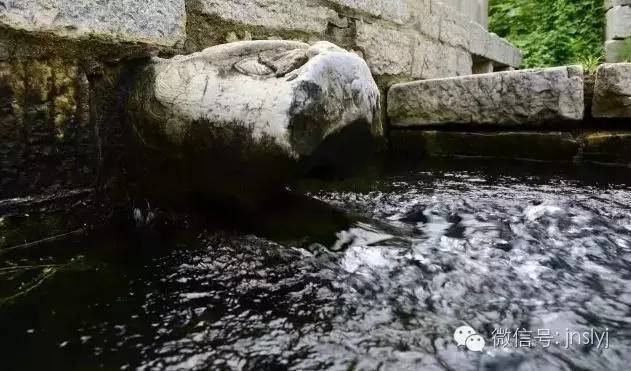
(607, 147)
(478, 39)
(398, 11)
(507, 98)
(45, 127)
(615, 51)
(501, 51)
(611, 3)
(548, 146)
(454, 28)
(226, 121)
(618, 22)
(474, 10)
(387, 51)
(299, 15)
(482, 66)
(242, 86)
(389, 34)
(428, 53)
(612, 92)
(159, 22)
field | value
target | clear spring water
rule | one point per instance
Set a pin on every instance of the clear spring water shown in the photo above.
(427, 251)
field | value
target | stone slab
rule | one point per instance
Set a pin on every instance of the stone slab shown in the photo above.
(618, 23)
(612, 91)
(615, 50)
(159, 22)
(507, 98)
(538, 146)
(298, 15)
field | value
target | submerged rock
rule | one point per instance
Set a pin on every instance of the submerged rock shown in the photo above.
(254, 104)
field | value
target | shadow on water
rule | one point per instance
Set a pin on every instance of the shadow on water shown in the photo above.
(366, 274)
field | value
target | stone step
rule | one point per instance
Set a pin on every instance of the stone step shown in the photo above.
(605, 147)
(527, 97)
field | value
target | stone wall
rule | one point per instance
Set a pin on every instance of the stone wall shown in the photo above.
(475, 10)
(401, 39)
(63, 63)
(618, 33)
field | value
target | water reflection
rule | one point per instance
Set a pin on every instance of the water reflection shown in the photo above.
(429, 252)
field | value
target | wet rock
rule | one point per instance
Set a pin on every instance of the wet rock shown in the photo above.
(47, 139)
(156, 22)
(549, 146)
(528, 97)
(256, 100)
(612, 92)
(608, 147)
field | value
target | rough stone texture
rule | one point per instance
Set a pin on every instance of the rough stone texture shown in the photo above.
(613, 49)
(482, 67)
(507, 98)
(607, 147)
(608, 4)
(47, 139)
(548, 146)
(159, 22)
(475, 10)
(406, 39)
(286, 93)
(299, 15)
(618, 22)
(612, 92)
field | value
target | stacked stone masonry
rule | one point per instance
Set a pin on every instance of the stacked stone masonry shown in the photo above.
(409, 39)
(618, 32)
(55, 136)
(539, 114)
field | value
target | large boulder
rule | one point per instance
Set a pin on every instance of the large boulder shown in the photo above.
(528, 97)
(252, 106)
(612, 92)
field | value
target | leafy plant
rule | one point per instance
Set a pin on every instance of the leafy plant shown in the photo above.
(550, 32)
(589, 62)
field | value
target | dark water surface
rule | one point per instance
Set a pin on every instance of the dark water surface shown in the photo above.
(427, 251)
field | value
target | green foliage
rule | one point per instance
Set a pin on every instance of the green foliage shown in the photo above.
(589, 62)
(551, 32)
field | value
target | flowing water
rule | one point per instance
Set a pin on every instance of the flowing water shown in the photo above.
(504, 251)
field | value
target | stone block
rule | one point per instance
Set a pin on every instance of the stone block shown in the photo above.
(615, 51)
(387, 51)
(607, 147)
(159, 22)
(298, 15)
(539, 146)
(618, 23)
(608, 4)
(612, 91)
(528, 97)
